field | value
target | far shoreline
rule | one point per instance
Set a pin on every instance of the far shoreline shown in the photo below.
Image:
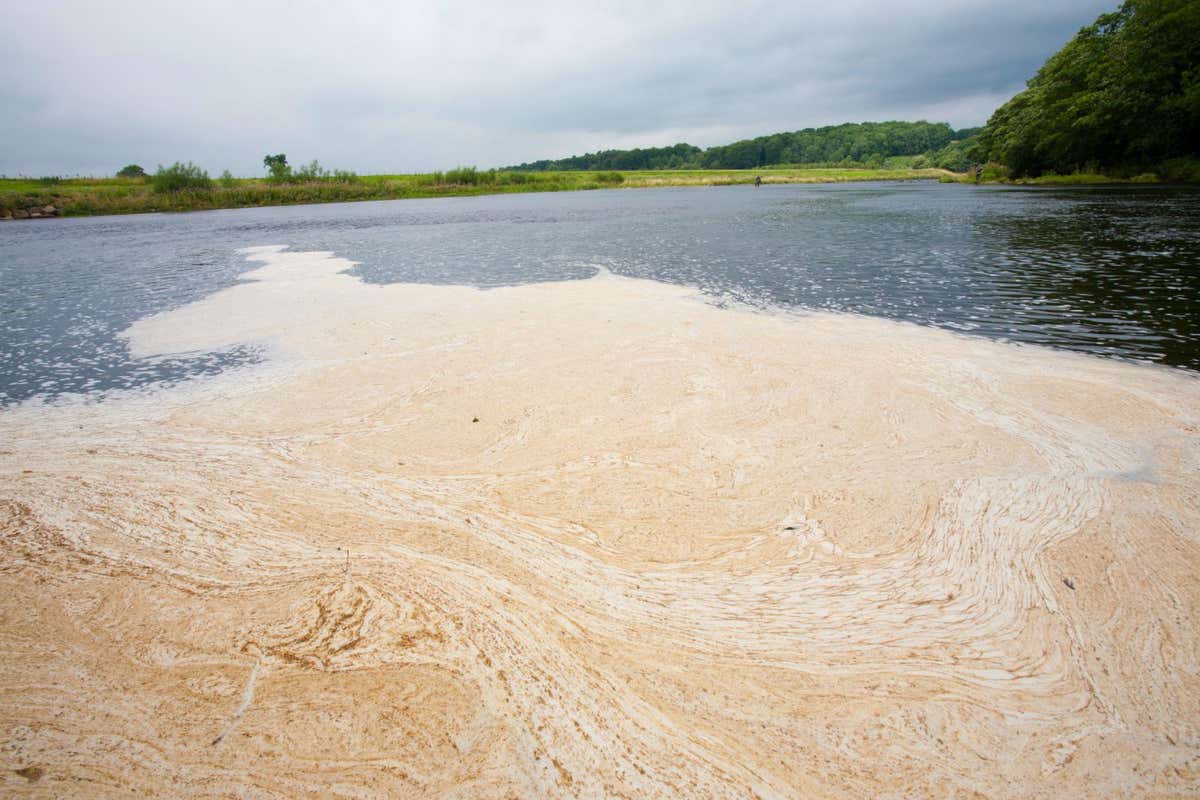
(94, 197)
(89, 197)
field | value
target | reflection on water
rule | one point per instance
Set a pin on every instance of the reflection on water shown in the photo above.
(1112, 270)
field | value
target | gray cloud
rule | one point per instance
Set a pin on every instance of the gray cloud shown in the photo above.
(380, 86)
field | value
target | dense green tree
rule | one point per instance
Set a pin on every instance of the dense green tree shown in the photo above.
(958, 156)
(1123, 93)
(278, 166)
(131, 171)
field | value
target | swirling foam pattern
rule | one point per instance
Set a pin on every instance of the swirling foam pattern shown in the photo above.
(599, 539)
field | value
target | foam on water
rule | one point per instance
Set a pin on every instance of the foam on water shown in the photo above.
(604, 539)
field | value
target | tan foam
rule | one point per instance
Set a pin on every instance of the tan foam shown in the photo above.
(685, 551)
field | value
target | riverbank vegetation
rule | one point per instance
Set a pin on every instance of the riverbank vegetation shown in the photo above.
(89, 196)
(1179, 170)
(1121, 99)
(180, 177)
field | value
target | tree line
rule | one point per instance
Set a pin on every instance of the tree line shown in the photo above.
(864, 143)
(677, 156)
(869, 143)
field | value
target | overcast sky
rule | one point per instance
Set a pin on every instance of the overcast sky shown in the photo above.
(378, 86)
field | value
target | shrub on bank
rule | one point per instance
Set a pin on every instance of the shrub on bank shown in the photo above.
(308, 173)
(462, 176)
(180, 177)
(313, 172)
(1185, 169)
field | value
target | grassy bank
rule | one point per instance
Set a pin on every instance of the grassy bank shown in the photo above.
(1177, 170)
(92, 196)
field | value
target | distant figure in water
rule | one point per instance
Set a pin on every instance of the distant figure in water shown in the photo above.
(758, 180)
(978, 172)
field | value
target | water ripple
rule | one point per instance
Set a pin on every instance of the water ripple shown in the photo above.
(1112, 271)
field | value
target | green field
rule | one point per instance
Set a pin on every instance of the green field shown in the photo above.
(91, 196)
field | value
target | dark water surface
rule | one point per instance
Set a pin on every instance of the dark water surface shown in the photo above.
(1113, 271)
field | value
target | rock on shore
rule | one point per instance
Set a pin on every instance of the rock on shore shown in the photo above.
(32, 211)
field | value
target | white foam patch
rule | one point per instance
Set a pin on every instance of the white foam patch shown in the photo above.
(601, 537)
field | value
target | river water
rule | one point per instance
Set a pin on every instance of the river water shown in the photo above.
(1112, 271)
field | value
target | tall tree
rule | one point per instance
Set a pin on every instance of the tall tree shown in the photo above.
(278, 166)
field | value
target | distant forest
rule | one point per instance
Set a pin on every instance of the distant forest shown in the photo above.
(1122, 97)
(872, 144)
